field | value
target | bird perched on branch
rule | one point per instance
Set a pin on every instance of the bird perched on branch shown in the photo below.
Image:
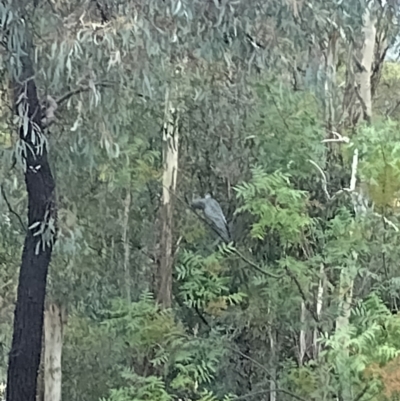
(214, 215)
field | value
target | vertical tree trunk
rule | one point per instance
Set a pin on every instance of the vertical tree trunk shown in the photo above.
(347, 275)
(302, 336)
(272, 364)
(24, 357)
(330, 81)
(170, 172)
(125, 241)
(367, 60)
(320, 298)
(54, 320)
(365, 98)
(40, 379)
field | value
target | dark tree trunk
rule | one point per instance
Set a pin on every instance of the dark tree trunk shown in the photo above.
(26, 346)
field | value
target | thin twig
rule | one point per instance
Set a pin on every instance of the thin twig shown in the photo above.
(303, 295)
(11, 209)
(254, 266)
(339, 138)
(66, 96)
(324, 180)
(362, 392)
(249, 358)
(278, 390)
(270, 377)
(353, 179)
(393, 109)
(387, 221)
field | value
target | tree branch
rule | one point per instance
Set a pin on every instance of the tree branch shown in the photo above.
(254, 266)
(10, 209)
(270, 377)
(81, 89)
(303, 295)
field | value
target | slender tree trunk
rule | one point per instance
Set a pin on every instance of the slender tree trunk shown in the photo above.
(272, 364)
(125, 240)
(54, 320)
(347, 275)
(302, 336)
(320, 298)
(24, 357)
(170, 159)
(330, 81)
(365, 98)
(367, 60)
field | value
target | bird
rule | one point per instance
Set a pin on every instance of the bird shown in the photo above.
(214, 214)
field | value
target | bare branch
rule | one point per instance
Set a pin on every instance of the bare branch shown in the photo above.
(81, 89)
(303, 295)
(10, 209)
(353, 179)
(339, 138)
(254, 266)
(270, 377)
(324, 180)
(387, 221)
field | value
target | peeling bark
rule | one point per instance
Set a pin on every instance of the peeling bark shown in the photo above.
(54, 321)
(170, 172)
(330, 81)
(367, 60)
(358, 110)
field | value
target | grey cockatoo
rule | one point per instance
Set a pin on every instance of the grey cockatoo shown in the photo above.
(214, 214)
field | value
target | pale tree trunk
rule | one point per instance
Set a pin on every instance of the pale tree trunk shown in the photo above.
(272, 364)
(347, 275)
(330, 81)
(170, 172)
(302, 336)
(54, 321)
(345, 298)
(367, 60)
(365, 98)
(320, 298)
(125, 241)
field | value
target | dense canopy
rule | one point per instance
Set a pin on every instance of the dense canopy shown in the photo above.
(117, 117)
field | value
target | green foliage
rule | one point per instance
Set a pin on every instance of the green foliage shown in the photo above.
(202, 283)
(370, 339)
(140, 389)
(286, 129)
(275, 204)
(164, 359)
(250, 80)
(380, 166)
